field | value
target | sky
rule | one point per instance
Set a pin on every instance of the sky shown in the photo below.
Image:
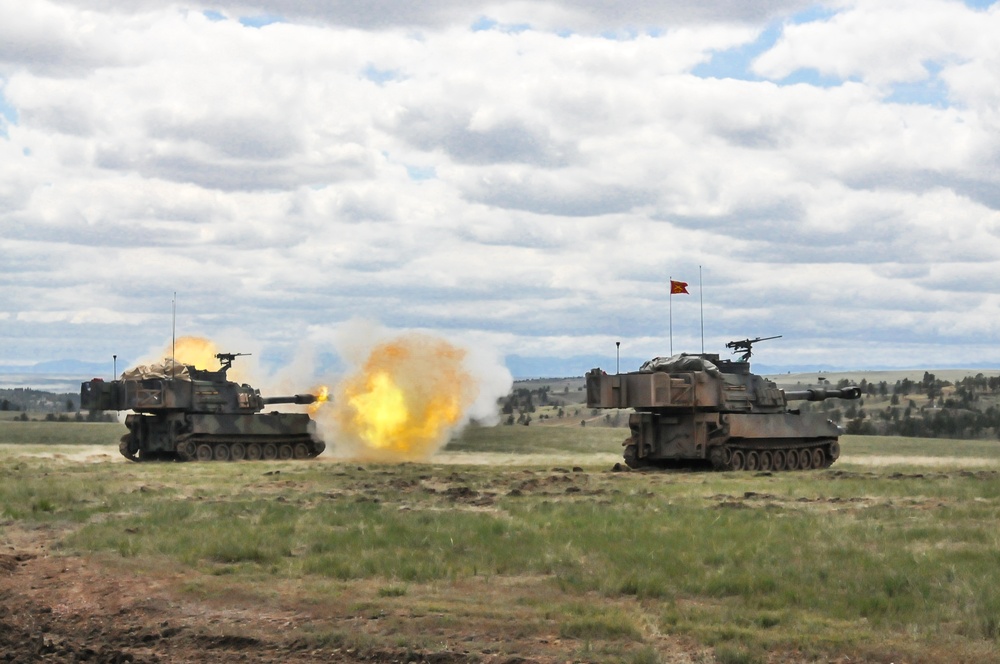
(520, 177)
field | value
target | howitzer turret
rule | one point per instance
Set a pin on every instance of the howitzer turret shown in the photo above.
(184, 413)
(698, 409)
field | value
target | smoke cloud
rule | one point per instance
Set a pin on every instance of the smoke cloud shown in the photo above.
(405, 396)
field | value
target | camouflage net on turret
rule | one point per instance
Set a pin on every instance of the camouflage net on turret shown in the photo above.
(167, 369)
(679, 363)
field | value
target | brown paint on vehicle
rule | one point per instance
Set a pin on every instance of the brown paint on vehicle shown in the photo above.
(694, 410)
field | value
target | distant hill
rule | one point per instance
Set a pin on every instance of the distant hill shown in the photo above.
(38, 401)
(890, 376)
(65, 367)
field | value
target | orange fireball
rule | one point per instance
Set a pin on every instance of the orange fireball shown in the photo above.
(322, 396)
(406, 400)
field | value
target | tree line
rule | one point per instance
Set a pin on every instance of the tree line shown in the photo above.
(929, 408)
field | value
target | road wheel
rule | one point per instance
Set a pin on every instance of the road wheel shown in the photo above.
(301, 451)
(222, 452)
(285, 452)
(270, 452)
(753, 460)
(792, 460)
(739, 461)
(254, 452)
(805, 459)
(766, 460)
(818, 458)
(203, 452)
(778, 460)
(238, 452)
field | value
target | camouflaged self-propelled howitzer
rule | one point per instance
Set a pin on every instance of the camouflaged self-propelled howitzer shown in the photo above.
(180, 412)
(692, 409)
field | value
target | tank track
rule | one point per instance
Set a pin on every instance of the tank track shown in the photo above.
(239, 448)
(775, 456)
(231, 448)
(758, 455)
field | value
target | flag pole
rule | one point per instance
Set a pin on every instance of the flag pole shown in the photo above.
(670, 310)
(701, 297)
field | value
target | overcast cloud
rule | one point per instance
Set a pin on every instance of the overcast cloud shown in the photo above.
(522, 176)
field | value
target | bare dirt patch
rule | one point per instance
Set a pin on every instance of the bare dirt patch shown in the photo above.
(67, 608)
(75, 453)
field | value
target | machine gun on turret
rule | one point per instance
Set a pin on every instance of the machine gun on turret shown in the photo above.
(226, 359)
(746, 346)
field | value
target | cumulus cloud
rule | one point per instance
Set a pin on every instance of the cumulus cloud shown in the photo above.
(588, 14)
(869, 41)
(527, 175)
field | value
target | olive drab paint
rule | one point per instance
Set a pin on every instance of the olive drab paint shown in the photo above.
(184, 413)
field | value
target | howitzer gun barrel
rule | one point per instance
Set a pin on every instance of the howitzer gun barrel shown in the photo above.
(821, 394)
(298, 398)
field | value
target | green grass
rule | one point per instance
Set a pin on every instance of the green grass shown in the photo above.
(13, 432)
(534, 439)
(849, 561)
(589, 622)
(862, 446)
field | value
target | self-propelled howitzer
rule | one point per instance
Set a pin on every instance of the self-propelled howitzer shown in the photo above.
(184, 413)
(692, 409)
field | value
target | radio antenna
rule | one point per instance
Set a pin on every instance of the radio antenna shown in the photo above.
(173, 336)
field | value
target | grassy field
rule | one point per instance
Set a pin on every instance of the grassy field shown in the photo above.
(891, 555)
(40, 432)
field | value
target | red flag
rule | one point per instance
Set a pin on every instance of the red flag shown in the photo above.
(678, 288)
